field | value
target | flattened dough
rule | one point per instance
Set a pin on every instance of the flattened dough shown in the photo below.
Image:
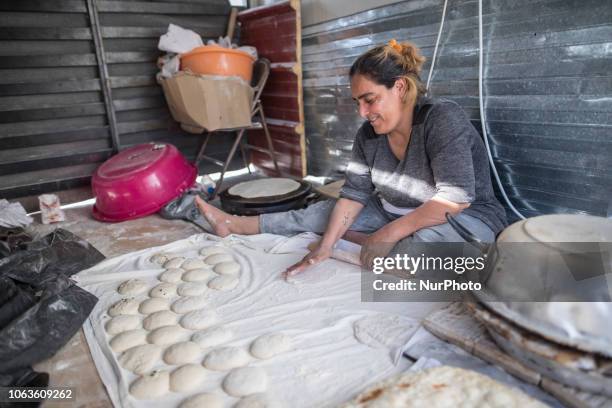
(153, 305)
(174, 262)
(159, 258)
(172, 275)
(227, 268)
(199, 319)
(269, 345)
(132, 287)
(163, 290)
(128, 339)
(244, 381)
(224, 282)
(192, 289)
(188, 304)
(198, 275)
(257, 401)
(187, 377)
(128, 306)
(140, 359)
(182, 352)
(160, 319)
(210, 250)
(167, 335)
(444, 387)
(212, 337)
(204, 400)
(122, 323)
(266, 187)
(226, 358)
(153, 385)
(193, 263)
(218, 258)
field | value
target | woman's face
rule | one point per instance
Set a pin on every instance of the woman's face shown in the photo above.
(382, 107)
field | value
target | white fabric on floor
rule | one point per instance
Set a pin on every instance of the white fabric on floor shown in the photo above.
(318, 309)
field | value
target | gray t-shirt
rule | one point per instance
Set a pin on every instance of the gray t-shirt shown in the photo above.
(445, 158)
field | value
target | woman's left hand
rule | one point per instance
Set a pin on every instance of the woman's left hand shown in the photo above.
(378, 244)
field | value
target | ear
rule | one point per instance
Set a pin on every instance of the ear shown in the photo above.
(401, 86)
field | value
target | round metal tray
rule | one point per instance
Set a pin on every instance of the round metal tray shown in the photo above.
(261, 205)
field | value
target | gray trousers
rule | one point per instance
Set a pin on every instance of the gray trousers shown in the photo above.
(372, 217)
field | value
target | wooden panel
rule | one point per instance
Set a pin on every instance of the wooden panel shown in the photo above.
(54, 128)
(276, 33)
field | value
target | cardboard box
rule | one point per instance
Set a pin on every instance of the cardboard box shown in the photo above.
(206, 102)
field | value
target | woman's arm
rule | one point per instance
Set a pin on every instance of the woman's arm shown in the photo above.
(428, 214)
(342, 217)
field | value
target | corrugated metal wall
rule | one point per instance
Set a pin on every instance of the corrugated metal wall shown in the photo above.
(548, 90)
(54, 127)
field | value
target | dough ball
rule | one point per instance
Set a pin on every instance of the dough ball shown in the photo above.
(204, 400)
(188, 304)
(226, 358)
(245, 381)
(174, 262)
(198, 275)
(140, 359)
(257, 401)
(193, 263)
(211, 250)
(122, 323)
(212, 337)
(159, 258)
(199, 319)
(192, 289)
(218, 258)
(269, 345)
(187, 377)
(172, 275)
(182, 352)
(132, 287)
(160, 319)
(152, 385)
(163, 290)
(167, 335)
(153, 305)
(124, 307)
(224, 282)
(128, 339)
(228, 268)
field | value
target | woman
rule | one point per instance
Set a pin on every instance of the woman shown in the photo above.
(414, 160)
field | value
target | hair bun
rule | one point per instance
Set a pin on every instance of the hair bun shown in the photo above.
(411, 55)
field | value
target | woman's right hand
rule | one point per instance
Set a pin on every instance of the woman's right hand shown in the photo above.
(316, 255)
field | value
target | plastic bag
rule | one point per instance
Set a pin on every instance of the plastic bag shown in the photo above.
(40, 307)
(179, 40)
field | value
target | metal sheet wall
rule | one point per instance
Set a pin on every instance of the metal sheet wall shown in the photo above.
(54, 127)
(548, 90)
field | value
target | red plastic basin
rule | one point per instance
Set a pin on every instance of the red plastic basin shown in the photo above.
(139, 181)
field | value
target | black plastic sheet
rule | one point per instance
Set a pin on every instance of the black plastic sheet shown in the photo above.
(41, 308)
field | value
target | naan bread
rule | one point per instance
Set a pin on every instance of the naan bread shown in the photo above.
(442, 387)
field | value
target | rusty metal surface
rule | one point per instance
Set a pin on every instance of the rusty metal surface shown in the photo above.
(547, 90)
(275, 31)
(587, 371)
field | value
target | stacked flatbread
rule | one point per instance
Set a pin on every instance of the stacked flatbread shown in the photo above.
(442, 387)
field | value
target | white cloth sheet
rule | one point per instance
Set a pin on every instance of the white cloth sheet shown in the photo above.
(318, 309)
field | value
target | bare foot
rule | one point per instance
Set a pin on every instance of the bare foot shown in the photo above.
(219, 220)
